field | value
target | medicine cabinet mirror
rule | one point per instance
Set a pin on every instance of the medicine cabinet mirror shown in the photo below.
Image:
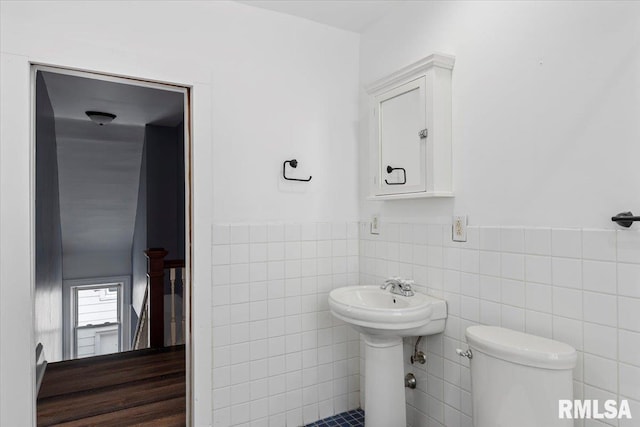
(410, 131)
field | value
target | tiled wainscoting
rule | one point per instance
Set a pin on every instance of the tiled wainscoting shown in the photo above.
(577, 286)
(279, 357)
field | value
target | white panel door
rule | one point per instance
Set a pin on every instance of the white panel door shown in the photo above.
(402, 150)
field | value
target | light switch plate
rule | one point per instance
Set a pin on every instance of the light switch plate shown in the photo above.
(459, 228)
(375, 225)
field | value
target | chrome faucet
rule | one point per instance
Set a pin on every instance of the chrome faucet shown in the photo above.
(399, 286)
(391, 281)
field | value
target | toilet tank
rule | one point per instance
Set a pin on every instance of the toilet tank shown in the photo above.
(517, 379)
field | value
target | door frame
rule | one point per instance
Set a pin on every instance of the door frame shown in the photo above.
(184, 90)
(17, 219)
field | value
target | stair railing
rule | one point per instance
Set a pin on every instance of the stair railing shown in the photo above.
(176, 276)
(156, 266)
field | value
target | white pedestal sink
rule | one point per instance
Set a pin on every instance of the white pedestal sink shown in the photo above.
(384, 319)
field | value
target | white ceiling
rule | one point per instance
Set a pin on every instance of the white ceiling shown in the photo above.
(99, 166)
(350, 15)
(71, 96)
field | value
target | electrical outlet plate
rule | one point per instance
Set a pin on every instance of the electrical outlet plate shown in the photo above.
(375, 225)
(459, 228)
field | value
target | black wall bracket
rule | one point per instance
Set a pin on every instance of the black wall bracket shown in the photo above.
(294, 164)
(625, 219)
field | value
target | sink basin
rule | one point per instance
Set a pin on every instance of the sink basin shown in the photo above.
(375, 311)
(384, 319)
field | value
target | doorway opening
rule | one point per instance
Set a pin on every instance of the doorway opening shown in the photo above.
(112, 237)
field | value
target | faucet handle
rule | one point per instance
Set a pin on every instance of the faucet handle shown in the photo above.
(405, 287)
(406, 284)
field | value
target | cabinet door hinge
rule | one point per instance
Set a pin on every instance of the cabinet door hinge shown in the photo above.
(423, 133)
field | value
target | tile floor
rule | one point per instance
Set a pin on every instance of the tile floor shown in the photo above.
(353, 418)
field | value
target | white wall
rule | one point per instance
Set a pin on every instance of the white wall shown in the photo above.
(139, 242)
(49, 258)
(281, 87)
(295, 96)
(546, 101)
(81, 265)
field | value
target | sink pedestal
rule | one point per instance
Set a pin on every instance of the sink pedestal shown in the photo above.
(384, 382)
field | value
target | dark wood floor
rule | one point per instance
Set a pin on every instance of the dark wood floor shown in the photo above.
(144, 387)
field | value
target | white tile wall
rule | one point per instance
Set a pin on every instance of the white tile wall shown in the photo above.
(577, 286)
(279, 357)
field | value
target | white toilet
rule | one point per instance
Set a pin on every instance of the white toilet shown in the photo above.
(517, 378)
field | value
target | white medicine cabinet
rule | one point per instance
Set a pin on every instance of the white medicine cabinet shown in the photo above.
(410, 131)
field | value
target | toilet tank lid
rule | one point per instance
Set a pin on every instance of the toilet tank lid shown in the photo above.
(521, 348)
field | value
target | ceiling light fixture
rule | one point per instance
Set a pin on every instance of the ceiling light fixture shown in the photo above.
(100, 117)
